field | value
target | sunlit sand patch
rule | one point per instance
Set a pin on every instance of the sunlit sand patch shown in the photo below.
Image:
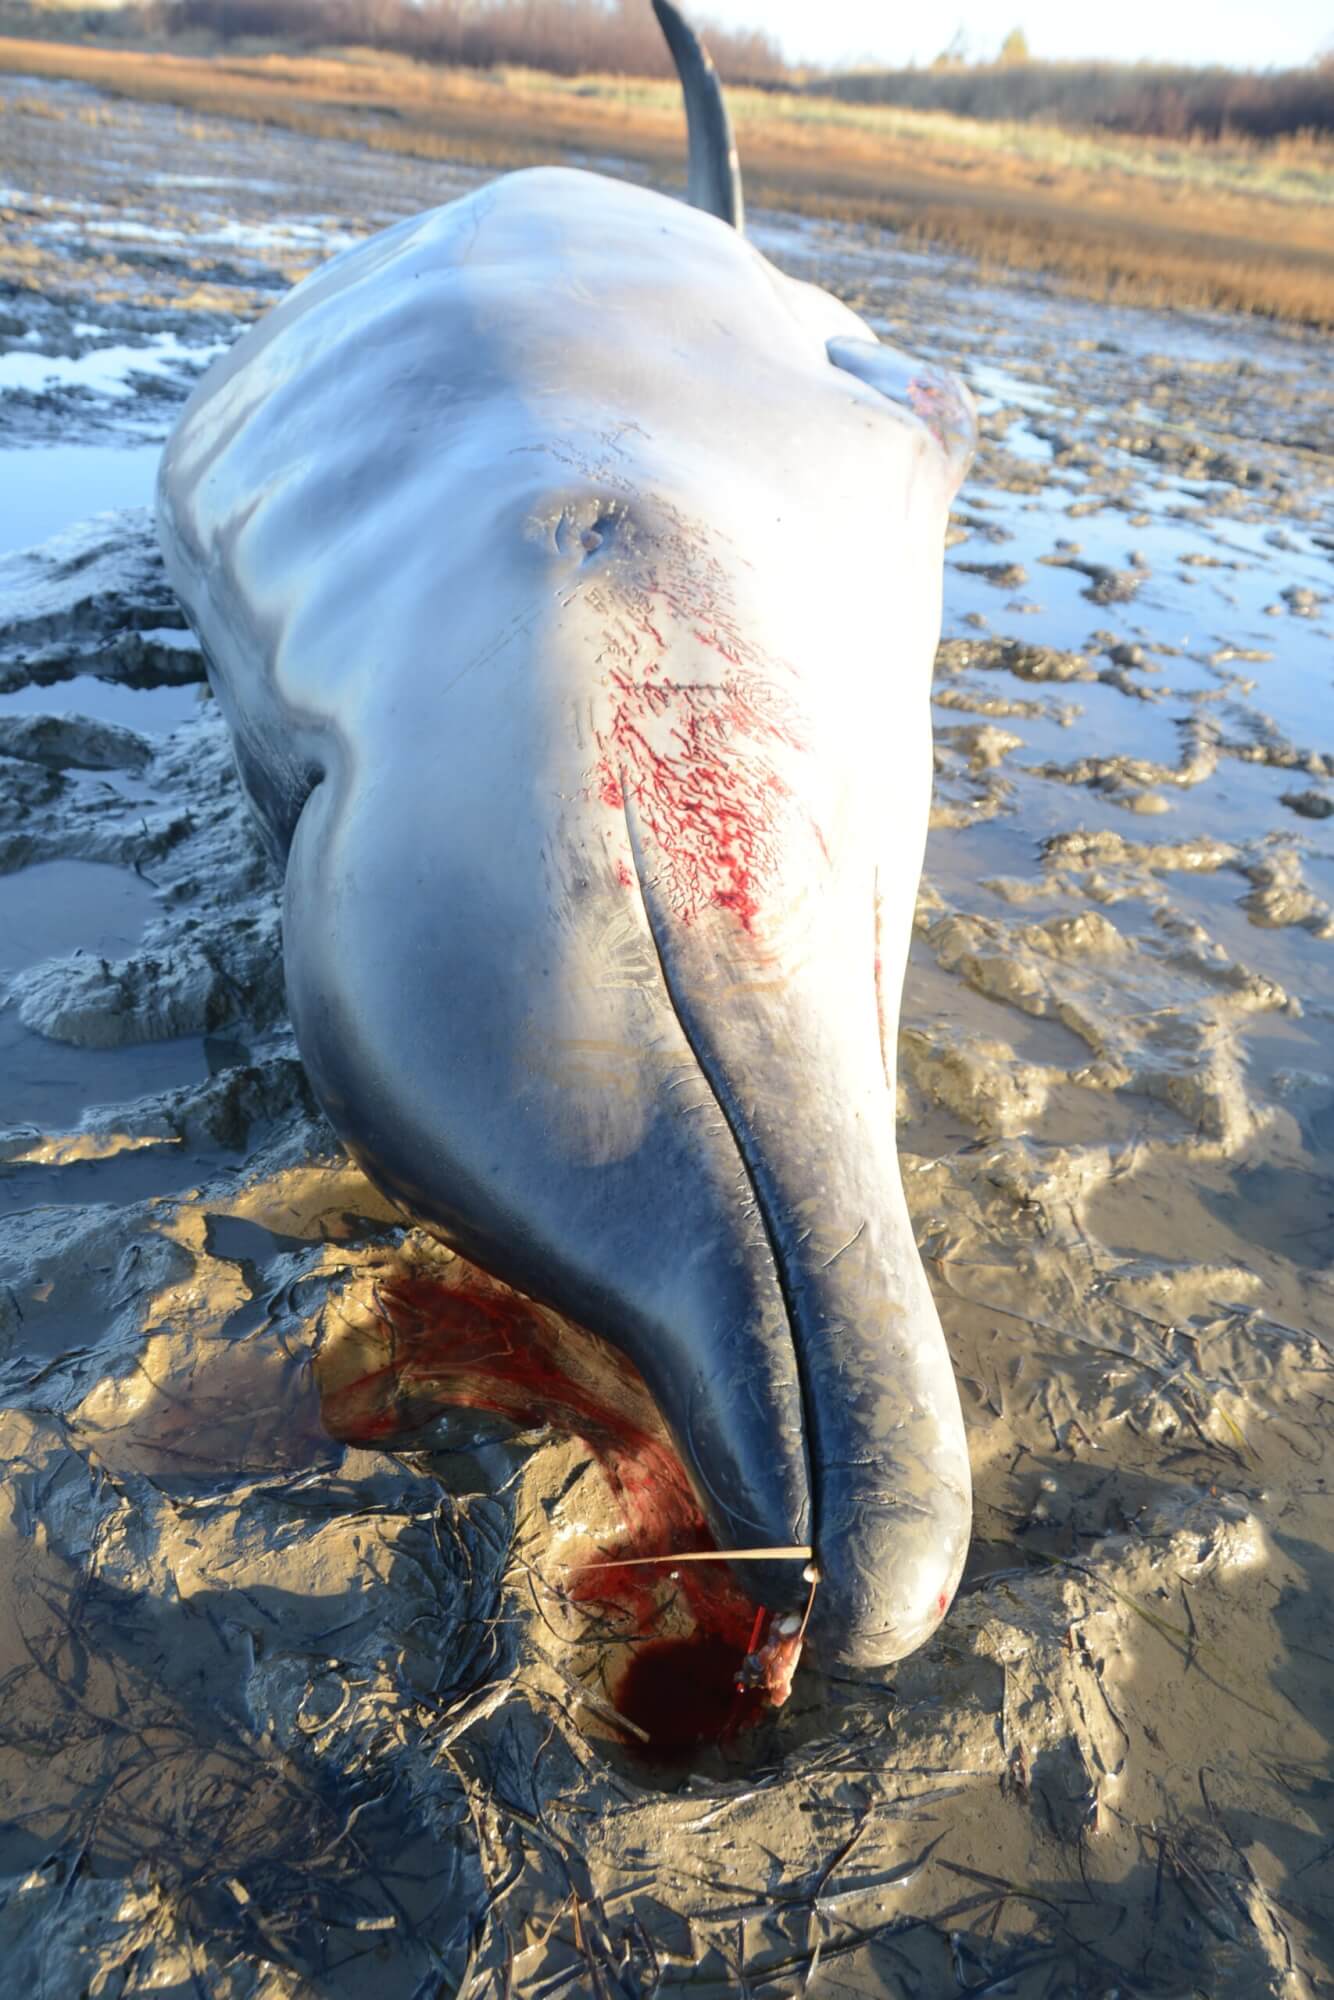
(71, 1147)
(224, 1385)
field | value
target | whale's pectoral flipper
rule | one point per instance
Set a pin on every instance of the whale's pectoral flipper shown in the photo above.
(939, 400)
(714, 182)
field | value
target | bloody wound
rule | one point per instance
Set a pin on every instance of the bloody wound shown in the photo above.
(473, 1344)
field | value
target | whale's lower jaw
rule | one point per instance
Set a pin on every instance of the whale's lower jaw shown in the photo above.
(735, 1223)
(890, 1515)
(797, 1361)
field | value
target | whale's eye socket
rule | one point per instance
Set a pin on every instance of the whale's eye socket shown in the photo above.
(940, 401)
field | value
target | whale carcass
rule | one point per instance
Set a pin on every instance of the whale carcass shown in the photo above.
(570, 578)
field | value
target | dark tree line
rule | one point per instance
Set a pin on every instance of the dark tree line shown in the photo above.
(573, 37)
(1168, 103)
(569, 37)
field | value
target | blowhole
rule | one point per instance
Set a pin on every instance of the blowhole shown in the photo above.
(598, 533)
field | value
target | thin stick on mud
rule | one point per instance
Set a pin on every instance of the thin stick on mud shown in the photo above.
(813, 1578)
(793, 1553)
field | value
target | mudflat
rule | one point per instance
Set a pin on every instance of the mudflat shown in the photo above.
(1236, 224)
(298, 1700)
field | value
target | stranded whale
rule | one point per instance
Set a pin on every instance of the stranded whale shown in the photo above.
(569, 579)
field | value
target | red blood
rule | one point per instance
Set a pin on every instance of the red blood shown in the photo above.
(471, 1343)
(684, 1693)
(695, 758)
(728, 649)
(709, 799)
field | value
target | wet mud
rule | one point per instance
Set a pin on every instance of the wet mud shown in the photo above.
(310, 1687)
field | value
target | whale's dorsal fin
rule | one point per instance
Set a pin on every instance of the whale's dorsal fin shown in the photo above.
(714, 182)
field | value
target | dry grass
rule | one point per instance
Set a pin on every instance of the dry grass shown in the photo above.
(1128, 219)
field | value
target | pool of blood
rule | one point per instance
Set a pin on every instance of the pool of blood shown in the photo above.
(683, 1693)
(471, 1343)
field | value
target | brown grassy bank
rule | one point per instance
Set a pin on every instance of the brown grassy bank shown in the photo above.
(1242, 228)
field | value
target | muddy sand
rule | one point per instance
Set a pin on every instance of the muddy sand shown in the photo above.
(298, 1698)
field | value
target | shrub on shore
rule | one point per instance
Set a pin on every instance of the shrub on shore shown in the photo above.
(1146, 98)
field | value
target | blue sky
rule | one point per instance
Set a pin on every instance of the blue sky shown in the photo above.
(1271, 34)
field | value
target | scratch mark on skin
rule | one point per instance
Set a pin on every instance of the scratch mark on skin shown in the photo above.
(708, 803)
(856, 1235)
(521, 622)
(480, 213)
(694, 757)
(937, 403)
(885, 1062)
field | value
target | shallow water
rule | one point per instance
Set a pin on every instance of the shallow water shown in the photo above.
(50, 1086)
(306, 1702)
(43, 490)
(47, 911)
(63, 906)
(150, 709)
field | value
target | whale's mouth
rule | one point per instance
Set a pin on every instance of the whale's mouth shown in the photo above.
(750, 1248)
(760, 1195)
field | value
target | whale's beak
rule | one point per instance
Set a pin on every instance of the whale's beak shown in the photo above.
(799, 1063)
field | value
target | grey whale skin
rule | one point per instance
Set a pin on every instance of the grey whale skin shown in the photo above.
(569, 579)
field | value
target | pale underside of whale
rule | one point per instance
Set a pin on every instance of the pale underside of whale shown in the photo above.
(570, 578)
